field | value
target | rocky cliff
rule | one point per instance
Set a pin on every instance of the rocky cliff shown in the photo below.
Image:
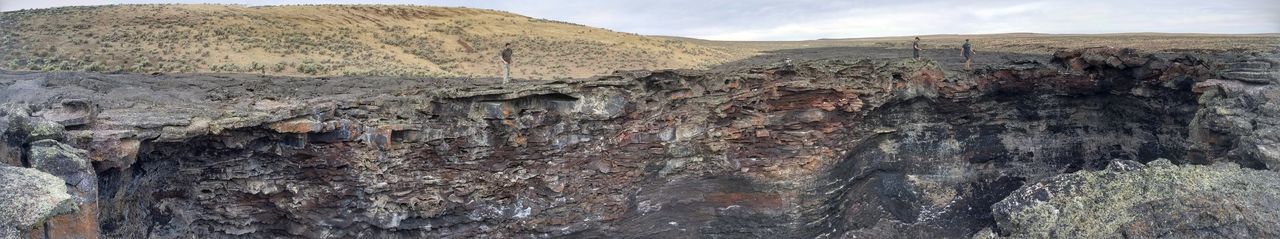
(835, 148)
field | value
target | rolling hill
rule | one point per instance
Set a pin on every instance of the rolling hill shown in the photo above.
(327, 40)
(422, 41)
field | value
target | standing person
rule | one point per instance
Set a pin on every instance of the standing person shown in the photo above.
(967, 50)
(915, 48)
(506, 63)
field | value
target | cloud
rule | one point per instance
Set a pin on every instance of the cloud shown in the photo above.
(997, 12)
(1051, 16)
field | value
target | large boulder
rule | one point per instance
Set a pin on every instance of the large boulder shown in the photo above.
(15, 124)
(64, 161)
(73, 167)
(43, 129)
(17, 128)
(1146, 201)
(28, 197)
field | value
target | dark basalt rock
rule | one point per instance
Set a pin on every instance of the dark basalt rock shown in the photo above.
(837, 148)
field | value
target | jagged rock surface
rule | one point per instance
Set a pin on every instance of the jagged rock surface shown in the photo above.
(1239, 118)
(29, 197)
(1131, 200)
(829, 148)
(69, 164)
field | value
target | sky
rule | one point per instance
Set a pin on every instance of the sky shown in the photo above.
(816, 19)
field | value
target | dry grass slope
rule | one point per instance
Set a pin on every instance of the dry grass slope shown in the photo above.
(326, 40)
(413, 41)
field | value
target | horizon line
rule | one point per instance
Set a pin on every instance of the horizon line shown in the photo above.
(1254, 34)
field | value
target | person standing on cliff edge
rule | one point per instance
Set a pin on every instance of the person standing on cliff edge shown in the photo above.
(915, 48)
(506, 63)
(967, 50)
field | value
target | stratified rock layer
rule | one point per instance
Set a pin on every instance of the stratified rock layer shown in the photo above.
(1239, 118)
(835, 148)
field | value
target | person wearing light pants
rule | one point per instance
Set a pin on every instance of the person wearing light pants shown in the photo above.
(506, 63)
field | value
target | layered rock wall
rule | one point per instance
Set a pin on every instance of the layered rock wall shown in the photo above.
(830, 148)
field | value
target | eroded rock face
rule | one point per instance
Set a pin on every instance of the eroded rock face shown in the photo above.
(1237, 121)
(832, 148)
(69, 164)
(933, 166)
(1158, 199)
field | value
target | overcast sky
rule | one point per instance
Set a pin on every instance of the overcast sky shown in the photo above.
(813, 19)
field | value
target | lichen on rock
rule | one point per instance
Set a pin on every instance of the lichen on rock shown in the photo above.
(28, 197)
(1155, 200)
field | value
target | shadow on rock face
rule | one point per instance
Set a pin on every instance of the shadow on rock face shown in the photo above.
(723, 206)
(934, 168)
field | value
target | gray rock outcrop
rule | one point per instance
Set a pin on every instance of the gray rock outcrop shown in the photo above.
(28, 197)
(1158, 199)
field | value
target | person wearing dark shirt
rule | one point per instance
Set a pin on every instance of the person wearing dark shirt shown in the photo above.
(915, 48)
(967, 50)
(506, 63)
